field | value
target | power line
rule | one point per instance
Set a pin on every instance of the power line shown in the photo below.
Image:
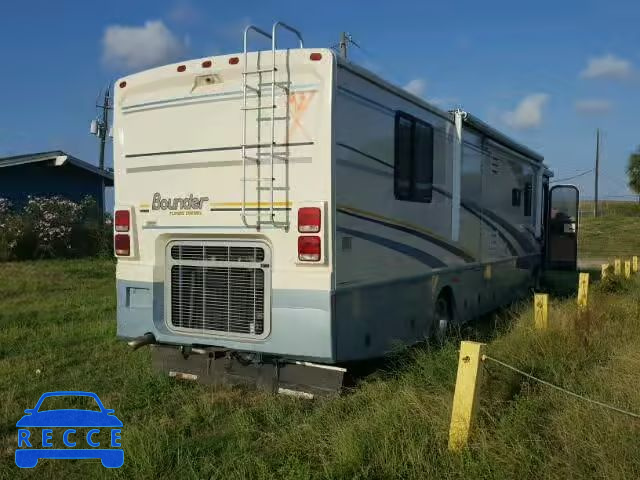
(574, 176)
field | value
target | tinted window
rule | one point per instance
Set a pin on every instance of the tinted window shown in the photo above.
(413, 159)
(403, 161)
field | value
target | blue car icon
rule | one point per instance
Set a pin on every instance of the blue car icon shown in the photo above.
(68, 419)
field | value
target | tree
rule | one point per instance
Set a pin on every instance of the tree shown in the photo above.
(633, 171)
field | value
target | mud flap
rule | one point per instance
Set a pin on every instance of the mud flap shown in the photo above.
(302, 379)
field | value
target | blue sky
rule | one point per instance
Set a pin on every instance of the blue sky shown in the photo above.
(546, 72)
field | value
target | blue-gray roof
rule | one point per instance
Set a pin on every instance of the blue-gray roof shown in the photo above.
(57, 158)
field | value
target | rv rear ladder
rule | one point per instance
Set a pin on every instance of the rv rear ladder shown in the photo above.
(272, 155)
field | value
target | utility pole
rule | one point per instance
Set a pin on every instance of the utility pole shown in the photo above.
(100, 128)
(344, 40)
(597, 172)
(104, 131)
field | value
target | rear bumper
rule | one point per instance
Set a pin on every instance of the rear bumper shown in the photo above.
(301, 323)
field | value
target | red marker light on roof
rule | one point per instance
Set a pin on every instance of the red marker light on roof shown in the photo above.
(182, 68)
(234, 60)
(123, 84)
(206, 64)
(315, 56)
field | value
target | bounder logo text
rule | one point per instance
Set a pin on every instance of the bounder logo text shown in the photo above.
(179, 204)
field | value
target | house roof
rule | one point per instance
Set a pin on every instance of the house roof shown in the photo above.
(57, 158)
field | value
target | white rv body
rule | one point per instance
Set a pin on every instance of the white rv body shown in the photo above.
(213, 258)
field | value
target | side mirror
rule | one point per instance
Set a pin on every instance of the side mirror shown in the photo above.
(29, 410)
(109, 411)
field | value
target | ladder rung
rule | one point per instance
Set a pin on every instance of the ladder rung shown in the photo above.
(278, 84)
(254, 159)
(280, 189)
(262, 70)
(259, 108)
(268, 154)
(263, 212)
(268, 119)
(256, 179)
(257, 90)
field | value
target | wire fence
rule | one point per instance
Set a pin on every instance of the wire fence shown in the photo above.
(559, 388)
(625, 206)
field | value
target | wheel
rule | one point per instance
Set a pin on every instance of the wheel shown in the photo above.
(442, 318)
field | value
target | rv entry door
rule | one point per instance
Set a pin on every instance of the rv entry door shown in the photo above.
(562, 233)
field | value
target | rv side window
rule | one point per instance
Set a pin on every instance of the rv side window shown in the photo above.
(413, 159)
(527, 200)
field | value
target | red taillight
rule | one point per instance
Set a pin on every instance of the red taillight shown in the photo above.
(234, 61)
(315, 56)
(309, 220)
(181, 68)
(206, 64)
(309, 249)
(122, 221)
(122, 244)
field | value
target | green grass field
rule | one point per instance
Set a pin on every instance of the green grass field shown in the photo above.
(615, 233)
(59, 318)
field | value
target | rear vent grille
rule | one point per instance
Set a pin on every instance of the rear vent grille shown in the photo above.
(208, 295)
(217, 253)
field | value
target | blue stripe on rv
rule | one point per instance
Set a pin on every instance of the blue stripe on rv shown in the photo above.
(421, 256)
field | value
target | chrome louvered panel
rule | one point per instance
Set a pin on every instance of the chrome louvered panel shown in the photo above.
(218, 288)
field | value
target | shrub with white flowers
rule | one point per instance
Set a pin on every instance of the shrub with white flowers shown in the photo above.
(52, 220)
(5, 207)
(52, 227)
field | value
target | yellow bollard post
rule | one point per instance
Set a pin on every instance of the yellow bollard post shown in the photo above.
(465, 398)
(583, 291)
(634, 265)
(627, 269)
(603, 270)
(541, 310)
(617, 270)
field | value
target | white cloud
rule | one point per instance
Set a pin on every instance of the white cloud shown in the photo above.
(593, 106)
(528, 113)
(607, 66)
(147, 46)
(442, 102)
(184, 12)
(417, 86)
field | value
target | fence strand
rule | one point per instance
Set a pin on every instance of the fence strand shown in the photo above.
(561, 389)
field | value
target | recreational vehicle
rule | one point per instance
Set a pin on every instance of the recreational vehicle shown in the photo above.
(286, 211)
